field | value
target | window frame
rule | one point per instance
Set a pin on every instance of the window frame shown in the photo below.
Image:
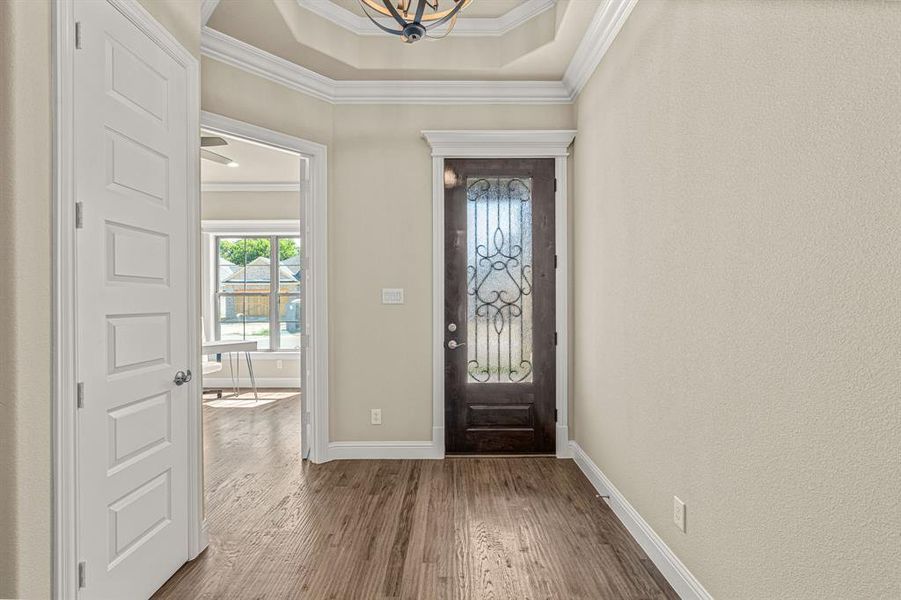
(213, 231)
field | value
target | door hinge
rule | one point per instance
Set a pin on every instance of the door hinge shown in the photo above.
(555, 415)
(81, 574)
(555, 184)
(79, 394)
(78, 35)
(555, 261)
(555, 338)
(79, 215)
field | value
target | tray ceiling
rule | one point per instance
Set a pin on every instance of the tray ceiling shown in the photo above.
(536, 43)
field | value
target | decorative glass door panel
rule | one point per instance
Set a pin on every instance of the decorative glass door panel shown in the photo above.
(499, 305)
(499, 273)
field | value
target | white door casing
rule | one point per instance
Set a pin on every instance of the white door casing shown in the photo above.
(134, 327)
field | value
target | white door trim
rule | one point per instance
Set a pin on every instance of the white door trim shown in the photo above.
(500, 144)
(315, 223)
(65, 482)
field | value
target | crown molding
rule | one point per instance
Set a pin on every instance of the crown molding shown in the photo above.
(206, 10)
(229, 50)
(500, 142)
(606, 24)
(465, 27)
(242, 55)
(249, 186)
(608, 20)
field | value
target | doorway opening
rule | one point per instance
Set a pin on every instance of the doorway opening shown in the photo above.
(254, 293)
(253, 257)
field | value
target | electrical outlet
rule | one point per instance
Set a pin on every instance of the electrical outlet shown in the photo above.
(375, 416)
(278, 364)
(679, 513)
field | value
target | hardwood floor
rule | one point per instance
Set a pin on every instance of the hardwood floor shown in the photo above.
(474, 528)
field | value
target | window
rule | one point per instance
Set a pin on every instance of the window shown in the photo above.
(258, 290)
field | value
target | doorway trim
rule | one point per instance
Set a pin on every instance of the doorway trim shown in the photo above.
(314, 210)
(64, 327)
(545, 143)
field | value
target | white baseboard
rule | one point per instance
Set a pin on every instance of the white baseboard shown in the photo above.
(383, 450)
(677, 574)
(204, 537)
(225, 383)
(244, 382)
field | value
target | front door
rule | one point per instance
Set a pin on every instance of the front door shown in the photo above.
(131, 159)
(499, 339)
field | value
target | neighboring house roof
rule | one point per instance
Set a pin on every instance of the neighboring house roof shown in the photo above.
(293, 264)
(258, 271)
(226, 268)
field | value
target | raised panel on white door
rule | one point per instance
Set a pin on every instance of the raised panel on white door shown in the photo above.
(137, 342)
(136, 255)
(135, 169)
(138, 516)
(135, 83)
(138, 429)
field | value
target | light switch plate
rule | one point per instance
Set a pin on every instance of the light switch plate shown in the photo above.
(392, 295)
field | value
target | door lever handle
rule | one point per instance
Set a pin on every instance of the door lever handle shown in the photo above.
(453, 344)
(183, 377)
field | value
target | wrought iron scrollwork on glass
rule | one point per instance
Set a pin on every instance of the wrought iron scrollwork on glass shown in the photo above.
(499, 279)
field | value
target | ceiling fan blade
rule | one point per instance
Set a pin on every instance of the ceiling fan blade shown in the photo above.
(216, 158)
(212, 140)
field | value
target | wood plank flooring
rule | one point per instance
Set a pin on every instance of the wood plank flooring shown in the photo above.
(461, 528)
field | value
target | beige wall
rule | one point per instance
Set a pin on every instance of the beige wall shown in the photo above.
(738, 271)
(241, 206)
(25, 196)
(379, 236)
(181, 18)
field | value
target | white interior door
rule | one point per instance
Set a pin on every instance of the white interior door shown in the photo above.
(131, 158)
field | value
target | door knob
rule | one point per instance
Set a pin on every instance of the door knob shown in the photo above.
(453, 344)
(183, 377)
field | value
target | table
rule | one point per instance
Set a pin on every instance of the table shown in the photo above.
(227, 347)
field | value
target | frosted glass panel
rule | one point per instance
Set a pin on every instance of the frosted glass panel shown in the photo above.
(499, 274)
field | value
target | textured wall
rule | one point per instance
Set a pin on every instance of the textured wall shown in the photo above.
(738, 271)
(181, 18)
(25, 195)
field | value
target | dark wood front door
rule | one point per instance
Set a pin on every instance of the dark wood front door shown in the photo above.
(499, 340)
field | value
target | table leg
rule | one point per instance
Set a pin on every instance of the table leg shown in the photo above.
(253, 381)
(234, 365)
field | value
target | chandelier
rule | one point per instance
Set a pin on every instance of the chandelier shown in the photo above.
(414, 23)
